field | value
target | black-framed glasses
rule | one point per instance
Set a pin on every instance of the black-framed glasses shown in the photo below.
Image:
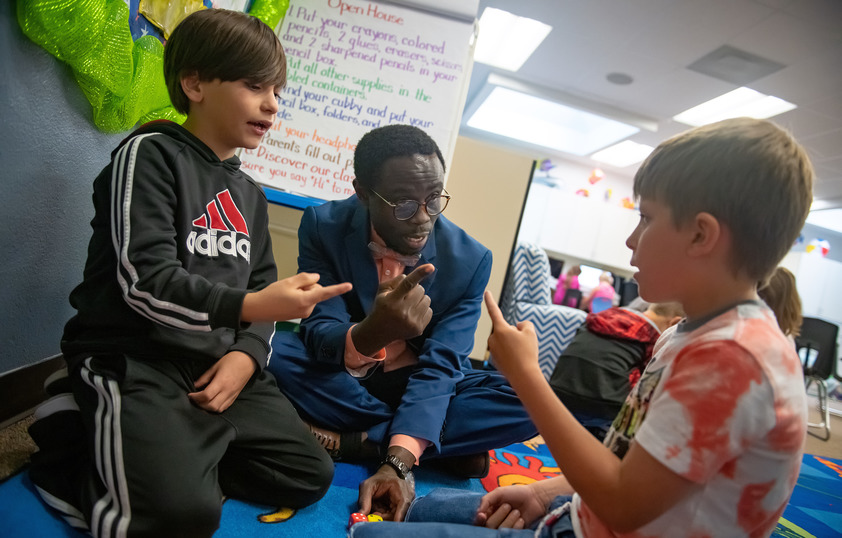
(406, 209)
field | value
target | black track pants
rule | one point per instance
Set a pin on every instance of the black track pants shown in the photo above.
(161, 465)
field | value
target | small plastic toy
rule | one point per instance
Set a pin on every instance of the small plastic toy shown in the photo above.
(357, 517)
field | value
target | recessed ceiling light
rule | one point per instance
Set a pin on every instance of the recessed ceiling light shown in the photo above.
(546, 123)
(506, 40)
(623, 154)
(734, 104)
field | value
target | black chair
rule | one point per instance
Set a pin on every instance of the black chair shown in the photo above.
(819, 336)
(572, 298)
(628, 292)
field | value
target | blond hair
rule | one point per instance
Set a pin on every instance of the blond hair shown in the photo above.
(751, 175)
(667, 310)
(781, 294)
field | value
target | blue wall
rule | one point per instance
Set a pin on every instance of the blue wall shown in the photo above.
(50, 153)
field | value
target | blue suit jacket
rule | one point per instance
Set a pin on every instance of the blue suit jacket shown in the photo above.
(333, 242)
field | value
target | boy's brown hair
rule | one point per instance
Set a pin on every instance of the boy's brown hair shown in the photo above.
(751, 175)
(781, 294)
(222, 44)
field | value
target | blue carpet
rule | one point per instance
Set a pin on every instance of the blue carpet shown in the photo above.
(815, 509)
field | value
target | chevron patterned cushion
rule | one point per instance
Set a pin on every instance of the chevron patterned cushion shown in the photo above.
(530, 273)
(526, 297)
(555, 326)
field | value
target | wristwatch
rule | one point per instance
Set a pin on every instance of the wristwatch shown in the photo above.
(399, 466)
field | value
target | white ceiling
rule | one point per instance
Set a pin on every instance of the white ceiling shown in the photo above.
(655, 40)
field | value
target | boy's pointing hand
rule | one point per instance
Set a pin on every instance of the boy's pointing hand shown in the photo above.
(290, 298)
(514, 349)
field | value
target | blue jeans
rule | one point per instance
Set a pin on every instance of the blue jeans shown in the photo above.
(449, 513)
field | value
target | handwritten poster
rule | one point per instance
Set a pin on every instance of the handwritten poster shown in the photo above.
(353, 66)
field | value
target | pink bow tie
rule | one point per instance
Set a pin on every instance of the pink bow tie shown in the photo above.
(379, 252)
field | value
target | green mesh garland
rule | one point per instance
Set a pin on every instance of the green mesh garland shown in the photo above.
(121, 78)
(269, 11)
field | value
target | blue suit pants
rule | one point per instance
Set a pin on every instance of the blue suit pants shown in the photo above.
(484, 412)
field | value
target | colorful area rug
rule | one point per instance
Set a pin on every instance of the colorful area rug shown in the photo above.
(815, 509)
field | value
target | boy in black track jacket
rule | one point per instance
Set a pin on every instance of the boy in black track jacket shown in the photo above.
(171, 408)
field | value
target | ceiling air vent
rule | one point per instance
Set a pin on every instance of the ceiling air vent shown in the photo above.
(734, 65)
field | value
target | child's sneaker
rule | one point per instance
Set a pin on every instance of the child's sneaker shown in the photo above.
(56, 467)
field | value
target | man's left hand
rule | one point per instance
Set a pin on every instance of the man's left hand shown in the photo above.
(386, 494)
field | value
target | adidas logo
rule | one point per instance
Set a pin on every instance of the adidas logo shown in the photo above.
(223, 225)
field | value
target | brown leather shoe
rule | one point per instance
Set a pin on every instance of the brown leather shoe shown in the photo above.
(345, 446)
(329, 440)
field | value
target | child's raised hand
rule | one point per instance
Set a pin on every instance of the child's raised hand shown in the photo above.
(290, 298)
(515, 349)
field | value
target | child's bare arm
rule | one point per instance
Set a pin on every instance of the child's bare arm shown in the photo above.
(624, 494)
(220, 385)
(290, 298)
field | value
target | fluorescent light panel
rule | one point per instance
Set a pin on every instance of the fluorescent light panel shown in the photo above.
(546, 123)
(623, 154)
(820, 205)
(506, 40)
(734, 104)
(830, 219)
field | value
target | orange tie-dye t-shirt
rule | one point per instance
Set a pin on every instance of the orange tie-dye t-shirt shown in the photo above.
(722, 404)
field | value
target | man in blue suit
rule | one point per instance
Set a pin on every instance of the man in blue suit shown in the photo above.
(383, 371)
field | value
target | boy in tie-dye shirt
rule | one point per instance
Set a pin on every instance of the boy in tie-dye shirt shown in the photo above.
(709, 442)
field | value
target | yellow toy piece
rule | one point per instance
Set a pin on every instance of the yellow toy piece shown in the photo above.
(281, 515)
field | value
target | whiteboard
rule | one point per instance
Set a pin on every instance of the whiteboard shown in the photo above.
(354, 66)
